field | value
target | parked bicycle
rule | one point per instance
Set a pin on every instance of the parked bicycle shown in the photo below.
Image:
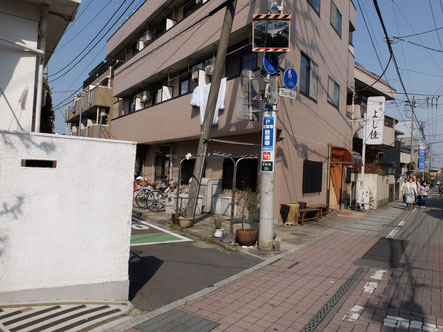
(153, 196)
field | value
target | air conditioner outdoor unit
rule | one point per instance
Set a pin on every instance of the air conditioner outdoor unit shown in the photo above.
(195, 71)
(210, 67)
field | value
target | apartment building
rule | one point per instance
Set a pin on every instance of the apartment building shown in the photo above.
(89, 113)
(168, 49)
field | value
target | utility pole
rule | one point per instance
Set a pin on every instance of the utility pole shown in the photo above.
(210, 109)
(412, 127)
(269, 134)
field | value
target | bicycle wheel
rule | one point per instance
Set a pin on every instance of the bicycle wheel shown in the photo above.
(156, 200)
(141, 199)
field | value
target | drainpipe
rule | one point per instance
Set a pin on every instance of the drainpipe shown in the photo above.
(43, 29)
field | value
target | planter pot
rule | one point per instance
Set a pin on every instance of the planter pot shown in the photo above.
(185, 221)
(218, 233)
(246, 237)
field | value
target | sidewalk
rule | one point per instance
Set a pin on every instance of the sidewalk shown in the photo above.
(294, 290)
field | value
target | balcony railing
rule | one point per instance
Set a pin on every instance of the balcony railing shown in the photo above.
(100, 96)
(93, 131)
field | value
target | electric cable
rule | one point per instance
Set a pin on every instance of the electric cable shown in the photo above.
(416, 44)
(388, 42)
(78, 16)
(86, 25)
(59, 71)
(435, 24)
(421, 33)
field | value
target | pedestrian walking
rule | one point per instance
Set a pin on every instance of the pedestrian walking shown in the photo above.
(424, 193)
(410, 192)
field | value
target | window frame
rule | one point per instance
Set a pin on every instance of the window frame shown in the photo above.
(339, 33)
(312, 5)
(336, 85)
(242, 51)
(309, 72)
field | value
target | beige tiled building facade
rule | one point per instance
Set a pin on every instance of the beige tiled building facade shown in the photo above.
(167, 47)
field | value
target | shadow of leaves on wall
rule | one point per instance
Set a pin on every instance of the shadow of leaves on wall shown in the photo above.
(28, 141)
(14, 210)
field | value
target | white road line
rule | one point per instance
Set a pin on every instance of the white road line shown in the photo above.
(393, 232)
(161, 242)
(161, 229)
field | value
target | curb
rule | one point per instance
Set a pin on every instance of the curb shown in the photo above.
(174, 305)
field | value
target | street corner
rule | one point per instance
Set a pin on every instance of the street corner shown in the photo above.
(145, 233)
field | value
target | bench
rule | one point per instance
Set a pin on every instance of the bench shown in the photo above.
(309, 214)
(323, 207)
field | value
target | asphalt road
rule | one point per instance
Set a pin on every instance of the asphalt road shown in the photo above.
(163, 273)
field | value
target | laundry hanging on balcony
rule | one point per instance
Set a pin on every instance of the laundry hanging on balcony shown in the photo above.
(200, 99)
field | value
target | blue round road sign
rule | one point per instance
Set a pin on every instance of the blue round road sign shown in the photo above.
(270, 61)
(290, 78)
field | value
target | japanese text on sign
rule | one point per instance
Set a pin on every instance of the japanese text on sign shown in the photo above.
(268, 133)
(267, 161)
(375, 120)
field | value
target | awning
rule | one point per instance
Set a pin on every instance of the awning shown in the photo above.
(345, 156)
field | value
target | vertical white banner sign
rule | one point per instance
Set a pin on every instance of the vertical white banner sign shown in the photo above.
(375, 120)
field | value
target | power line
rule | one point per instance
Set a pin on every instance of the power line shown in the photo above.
(416, 44)
(370, 36)
(412, 28)
(420, 72)
(435, 24)
(388, 42)
(86, 25)
(79, 15)
(121, 5)
(421, 33)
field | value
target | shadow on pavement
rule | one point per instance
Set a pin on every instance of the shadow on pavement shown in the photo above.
(141, 270)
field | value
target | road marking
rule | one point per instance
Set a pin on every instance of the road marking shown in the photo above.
(164, 236)
(402, 223)
(353, 313)
(402, 323)
(378, 275)
(393, 232)
(369, 287)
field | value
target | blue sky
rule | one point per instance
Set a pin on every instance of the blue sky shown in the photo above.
(421, 69)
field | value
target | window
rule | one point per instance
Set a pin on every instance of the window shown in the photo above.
(240, 57)
(335, 18)
(312, 176)
(246, 174)
(186, 83)
(351, 33)
(308, 77)
(333, 92)
(190, 7)
(316, 5)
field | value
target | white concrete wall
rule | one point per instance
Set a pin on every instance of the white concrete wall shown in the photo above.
(65, 231)
(378, 186)
(17, 71)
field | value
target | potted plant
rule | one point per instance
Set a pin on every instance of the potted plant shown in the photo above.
(248, 202)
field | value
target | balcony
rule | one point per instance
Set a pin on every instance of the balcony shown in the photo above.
(100, 96)
(192, 37)
(93, 131)
(175, 120)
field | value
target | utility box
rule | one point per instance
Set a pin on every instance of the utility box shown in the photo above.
(210, 189)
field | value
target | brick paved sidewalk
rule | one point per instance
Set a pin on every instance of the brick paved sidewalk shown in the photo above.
(286, 294)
